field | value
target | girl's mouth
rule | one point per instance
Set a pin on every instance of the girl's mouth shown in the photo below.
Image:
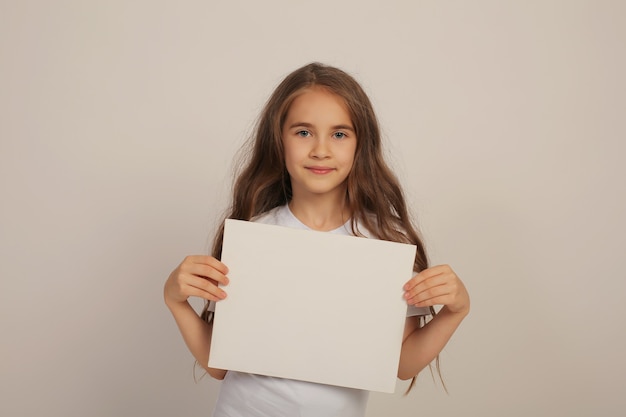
(319, 170)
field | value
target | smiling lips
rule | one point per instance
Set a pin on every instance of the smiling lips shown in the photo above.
(319, 170)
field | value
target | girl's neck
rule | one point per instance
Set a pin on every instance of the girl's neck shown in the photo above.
(320, 214)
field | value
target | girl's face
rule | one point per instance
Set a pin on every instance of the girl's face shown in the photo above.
(319, 143)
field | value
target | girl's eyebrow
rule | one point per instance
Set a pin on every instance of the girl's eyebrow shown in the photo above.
(344, 127)
(309, 125)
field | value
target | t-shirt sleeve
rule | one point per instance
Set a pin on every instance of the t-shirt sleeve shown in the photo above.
(212, 306)
(417, 311)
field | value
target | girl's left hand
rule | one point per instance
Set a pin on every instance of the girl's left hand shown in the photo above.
(437, 285)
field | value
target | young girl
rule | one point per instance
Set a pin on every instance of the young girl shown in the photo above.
(316, 163)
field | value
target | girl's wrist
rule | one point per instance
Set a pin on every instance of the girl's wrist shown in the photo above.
(173, 304)
(459, 313)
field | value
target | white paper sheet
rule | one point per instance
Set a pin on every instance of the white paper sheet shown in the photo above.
(312, 306)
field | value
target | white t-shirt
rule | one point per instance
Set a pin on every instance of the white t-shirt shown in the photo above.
(249, 395)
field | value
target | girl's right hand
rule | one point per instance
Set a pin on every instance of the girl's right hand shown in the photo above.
(196, 276)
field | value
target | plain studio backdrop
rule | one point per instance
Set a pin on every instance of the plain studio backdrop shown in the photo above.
(119, 122)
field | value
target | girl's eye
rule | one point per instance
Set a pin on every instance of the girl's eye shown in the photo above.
(339, 135)
(303, 133)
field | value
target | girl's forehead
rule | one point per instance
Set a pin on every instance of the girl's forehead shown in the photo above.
(320, 89)
(318, 96)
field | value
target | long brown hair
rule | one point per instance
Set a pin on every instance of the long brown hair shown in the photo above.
(373, 196)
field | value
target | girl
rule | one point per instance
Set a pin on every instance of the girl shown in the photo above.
(316, 163)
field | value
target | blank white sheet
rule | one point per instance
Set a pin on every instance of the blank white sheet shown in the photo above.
(311, 306)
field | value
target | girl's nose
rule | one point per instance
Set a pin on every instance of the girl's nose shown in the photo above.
(320, 149)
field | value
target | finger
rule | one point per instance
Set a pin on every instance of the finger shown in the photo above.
(442, 300)
(196, 292)
(206, 260)
(426, 274)
(434, 298)
(206, 271)
(426, 284)
(427, 294)
(414, 281)
(436, 270)
(206, 286)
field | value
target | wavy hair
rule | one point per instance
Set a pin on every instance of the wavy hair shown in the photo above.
(374, 196)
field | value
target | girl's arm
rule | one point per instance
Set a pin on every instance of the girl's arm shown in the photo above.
(196, 276)
(438, 285)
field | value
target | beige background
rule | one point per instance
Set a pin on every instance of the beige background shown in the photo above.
(118, 123)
